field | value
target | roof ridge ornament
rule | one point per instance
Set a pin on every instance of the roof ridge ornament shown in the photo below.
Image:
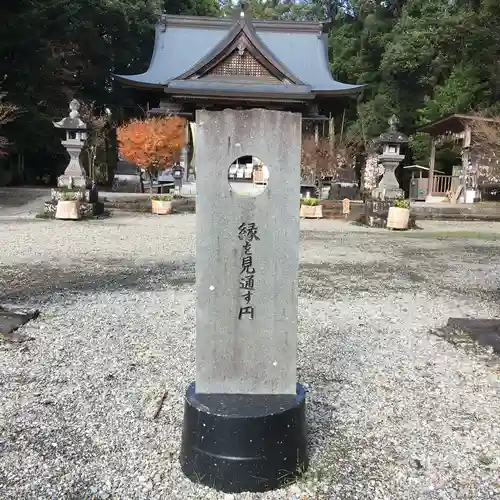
(393, 123)
(74, 109)
(163, 22)
(240, 11)
(241, 48)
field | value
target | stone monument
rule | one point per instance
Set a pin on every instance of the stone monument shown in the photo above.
(244, 422)
(74, 185)
(391, 142)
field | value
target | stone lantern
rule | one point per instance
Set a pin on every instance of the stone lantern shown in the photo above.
(74, 185)
(390, 158)
(76, 134)
(177, 174)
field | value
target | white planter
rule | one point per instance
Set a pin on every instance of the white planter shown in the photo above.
(161, 207)
(398, 218)
(470, 195)
(69, 210)
(313, 212)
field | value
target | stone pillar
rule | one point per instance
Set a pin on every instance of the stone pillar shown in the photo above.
(244, 424)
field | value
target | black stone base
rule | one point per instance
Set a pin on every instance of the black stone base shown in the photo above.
(236, 443)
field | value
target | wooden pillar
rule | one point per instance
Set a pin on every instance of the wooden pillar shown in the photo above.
(316, 141)
(465, 156)
(186, 151)
(432, 164)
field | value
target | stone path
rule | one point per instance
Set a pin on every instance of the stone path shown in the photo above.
(22, 202)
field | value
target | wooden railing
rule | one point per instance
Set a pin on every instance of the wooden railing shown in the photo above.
(441, 184)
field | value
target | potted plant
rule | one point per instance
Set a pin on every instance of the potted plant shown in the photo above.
(310, 208)
(68, 206)
(399, 215)
(161, 204)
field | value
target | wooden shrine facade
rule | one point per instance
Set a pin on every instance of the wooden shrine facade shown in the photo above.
(215, 63)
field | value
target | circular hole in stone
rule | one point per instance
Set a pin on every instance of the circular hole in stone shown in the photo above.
(248, 176)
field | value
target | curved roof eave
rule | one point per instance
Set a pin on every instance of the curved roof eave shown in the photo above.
(138, 81)
(339, 88)
(142, 81)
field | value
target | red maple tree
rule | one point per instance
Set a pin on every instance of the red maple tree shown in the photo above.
(154, 143)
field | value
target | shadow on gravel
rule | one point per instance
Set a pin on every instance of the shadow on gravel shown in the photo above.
(36, 282)
(325, 280)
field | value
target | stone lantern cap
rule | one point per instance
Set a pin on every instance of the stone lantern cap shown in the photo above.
(73, 121)
(392, 136)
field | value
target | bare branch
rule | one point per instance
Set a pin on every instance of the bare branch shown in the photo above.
(8, 113)
(326, 157)
(486, 142)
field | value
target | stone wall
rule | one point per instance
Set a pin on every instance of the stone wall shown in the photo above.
(334, 209)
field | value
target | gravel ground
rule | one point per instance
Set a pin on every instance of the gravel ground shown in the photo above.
(394, 412)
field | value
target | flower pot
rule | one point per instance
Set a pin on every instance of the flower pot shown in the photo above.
(313, 212)
(161, 207)
(398, 218)
(68, 210)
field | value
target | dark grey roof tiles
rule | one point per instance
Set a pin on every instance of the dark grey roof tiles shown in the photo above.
(181, 45)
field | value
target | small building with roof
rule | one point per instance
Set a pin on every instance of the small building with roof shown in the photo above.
(476, 169)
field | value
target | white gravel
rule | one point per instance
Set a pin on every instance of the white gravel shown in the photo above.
(395, 412)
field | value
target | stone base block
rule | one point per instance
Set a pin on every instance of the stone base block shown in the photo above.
(68, 210)
(436, 199)
(81, 194)
(382, 193)
(376, 213)
(235, 443)
(73, 182)
(86, 209)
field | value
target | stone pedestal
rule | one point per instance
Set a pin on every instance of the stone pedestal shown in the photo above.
(72, 182)
(68, 210)
(88, 198)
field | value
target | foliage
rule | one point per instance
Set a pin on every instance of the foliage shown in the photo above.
(402, 203)
(279, 9)
(311, 202)
(163, 197)
(69, 195)
(55, 50)
(154, 143)
(418, 59)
